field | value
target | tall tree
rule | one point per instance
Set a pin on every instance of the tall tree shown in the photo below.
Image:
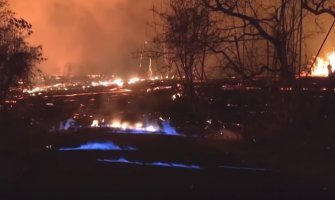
(260, 34)
(18, 58)
(185, 31)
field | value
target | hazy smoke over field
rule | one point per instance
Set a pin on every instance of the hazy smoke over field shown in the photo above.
(91, 36)
(98, 36)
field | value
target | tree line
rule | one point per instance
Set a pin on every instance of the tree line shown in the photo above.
(249, 38)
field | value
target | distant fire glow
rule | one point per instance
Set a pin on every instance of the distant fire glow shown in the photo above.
(118, 82)
(133, 80)
(320, 69)
(98, 81)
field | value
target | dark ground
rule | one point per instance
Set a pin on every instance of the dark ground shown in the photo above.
(294, 144)
(77, 175)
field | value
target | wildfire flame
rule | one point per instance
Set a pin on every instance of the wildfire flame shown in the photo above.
(320, 68)
(127, 126)
(137, 127)
(119, 82)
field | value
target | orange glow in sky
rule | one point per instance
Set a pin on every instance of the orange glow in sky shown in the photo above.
(81, 36)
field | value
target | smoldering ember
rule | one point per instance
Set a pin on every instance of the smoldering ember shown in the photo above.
(169, 99)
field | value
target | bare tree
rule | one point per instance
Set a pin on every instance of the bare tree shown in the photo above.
(319, 7)
(17, 57)
(185, 32)
(259, 35)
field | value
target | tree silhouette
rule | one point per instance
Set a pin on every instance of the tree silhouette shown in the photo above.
(319, 7)
(259, 35)
(17, 57)
(183, 40)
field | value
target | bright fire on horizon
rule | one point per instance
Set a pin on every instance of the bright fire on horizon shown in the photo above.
(320, 68)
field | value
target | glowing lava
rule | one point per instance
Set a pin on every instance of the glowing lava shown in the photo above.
(118, 82)
(99, 81)
(134, 80)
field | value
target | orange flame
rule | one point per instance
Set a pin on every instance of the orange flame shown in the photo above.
(127, 126)
(320, 68)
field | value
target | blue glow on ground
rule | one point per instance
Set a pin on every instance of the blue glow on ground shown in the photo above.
(175, 165)
(138, 132)
(150, 128)
(99, 146)
(156, 164)
(168, 129)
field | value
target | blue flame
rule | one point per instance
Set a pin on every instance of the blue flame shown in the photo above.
(168, 129)
(99, 146)
(156, 164)
(175, 165)
(69, 123)
(148, 127)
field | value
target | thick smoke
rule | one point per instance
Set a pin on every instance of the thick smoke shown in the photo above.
(87, 36)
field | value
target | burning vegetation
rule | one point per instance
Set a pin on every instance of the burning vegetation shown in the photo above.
(322, 65)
